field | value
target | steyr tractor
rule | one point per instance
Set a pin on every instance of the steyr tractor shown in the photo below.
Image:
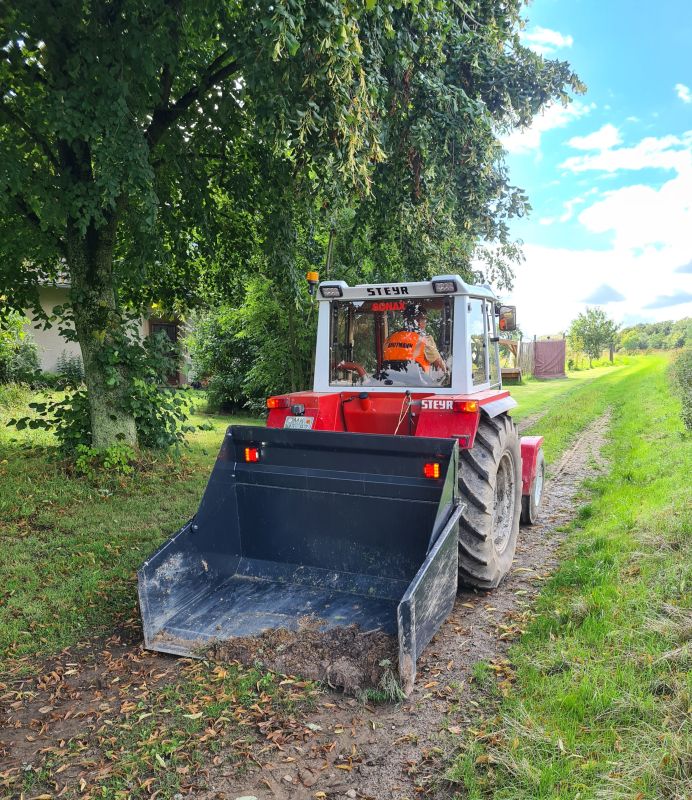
(368, 499)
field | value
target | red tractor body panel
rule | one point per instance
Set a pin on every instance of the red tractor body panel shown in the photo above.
(433, 415)
(530, 448)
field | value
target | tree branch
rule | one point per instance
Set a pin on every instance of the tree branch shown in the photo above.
(34, 135)
(165, 116)
(26, 211)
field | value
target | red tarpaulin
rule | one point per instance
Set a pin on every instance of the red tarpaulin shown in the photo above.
(549, 358)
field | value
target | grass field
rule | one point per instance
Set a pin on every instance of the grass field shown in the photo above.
(602, 682)
(72, 546)
(534, 396)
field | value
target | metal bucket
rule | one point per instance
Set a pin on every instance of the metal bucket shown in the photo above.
(343, 527)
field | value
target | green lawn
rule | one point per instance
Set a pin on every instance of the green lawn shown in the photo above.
(601, 700)
(534, 396)
(71, 547)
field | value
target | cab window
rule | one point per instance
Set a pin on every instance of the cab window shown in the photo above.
(477, 332)
(391, 342)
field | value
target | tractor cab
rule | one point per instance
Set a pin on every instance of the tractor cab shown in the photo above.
(431, 337)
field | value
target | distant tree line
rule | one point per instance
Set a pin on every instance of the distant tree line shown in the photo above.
(668, 335)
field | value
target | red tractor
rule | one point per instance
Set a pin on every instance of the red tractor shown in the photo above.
(364, 500)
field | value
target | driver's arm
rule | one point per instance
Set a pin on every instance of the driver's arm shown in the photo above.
(432, 354)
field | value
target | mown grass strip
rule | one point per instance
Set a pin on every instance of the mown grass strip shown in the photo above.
(601, 703)
(535, 396)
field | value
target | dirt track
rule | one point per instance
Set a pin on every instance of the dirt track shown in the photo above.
(342, 749)
(391, 749)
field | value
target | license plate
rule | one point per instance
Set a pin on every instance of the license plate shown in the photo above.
(304, 423)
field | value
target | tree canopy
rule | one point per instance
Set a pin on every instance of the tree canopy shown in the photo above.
(591, 332)
(162, 150)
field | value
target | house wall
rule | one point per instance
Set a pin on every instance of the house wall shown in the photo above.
(49, 342)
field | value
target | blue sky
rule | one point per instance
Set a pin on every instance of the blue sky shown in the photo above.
(610, 176)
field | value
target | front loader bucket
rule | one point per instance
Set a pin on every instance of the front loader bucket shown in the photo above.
(341, 527)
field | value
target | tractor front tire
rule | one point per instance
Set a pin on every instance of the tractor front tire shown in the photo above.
(490, 484)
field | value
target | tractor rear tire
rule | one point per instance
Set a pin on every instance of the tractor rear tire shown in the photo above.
(490, 483)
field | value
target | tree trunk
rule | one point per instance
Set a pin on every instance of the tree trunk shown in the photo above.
(99, 326)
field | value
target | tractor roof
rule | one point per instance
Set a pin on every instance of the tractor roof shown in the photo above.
(435, 287)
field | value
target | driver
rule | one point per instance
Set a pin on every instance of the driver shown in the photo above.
(413, 343)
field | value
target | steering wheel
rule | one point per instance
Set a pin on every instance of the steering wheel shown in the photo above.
(352, 366)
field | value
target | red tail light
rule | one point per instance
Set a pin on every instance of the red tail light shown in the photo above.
(278, 402)
(431, 470)
(468, 406)
(252, 454)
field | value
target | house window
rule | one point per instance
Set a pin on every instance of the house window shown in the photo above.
(171, 330)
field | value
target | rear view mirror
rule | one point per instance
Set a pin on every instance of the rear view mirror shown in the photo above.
(507, 318)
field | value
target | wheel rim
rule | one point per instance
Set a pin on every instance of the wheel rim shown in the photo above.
(538, 487)
(505, 498)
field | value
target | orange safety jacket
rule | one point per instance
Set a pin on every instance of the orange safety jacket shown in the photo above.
(406, 346)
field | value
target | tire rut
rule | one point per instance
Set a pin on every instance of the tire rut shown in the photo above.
(385, 752)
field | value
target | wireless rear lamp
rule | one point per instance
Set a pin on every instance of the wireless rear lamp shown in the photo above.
(252, 455)
(278, 402)
(444, 287)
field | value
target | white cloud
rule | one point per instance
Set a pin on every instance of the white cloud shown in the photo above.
(683, 92)
(666, 152)
(552, 284)
(603, 139)
(642, 216)
(651, 232)
(555, 116)
(545, 41)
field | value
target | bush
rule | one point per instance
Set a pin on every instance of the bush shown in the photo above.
(13, 396)
(70, 369)
(18, 351)
(263, 347)
(681, 375)
(116, 460)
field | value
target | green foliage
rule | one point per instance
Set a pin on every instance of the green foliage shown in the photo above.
(114, 460)
(69, 367)
(18, 352)
(263, 347)
(591, 332)
(666, 335)
(13, 396)
(164, 152)
(681, 375)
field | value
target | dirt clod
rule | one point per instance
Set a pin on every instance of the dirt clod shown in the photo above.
(344, 658)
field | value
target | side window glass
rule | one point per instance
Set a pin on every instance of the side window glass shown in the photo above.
(493, 353)
(477, 331)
